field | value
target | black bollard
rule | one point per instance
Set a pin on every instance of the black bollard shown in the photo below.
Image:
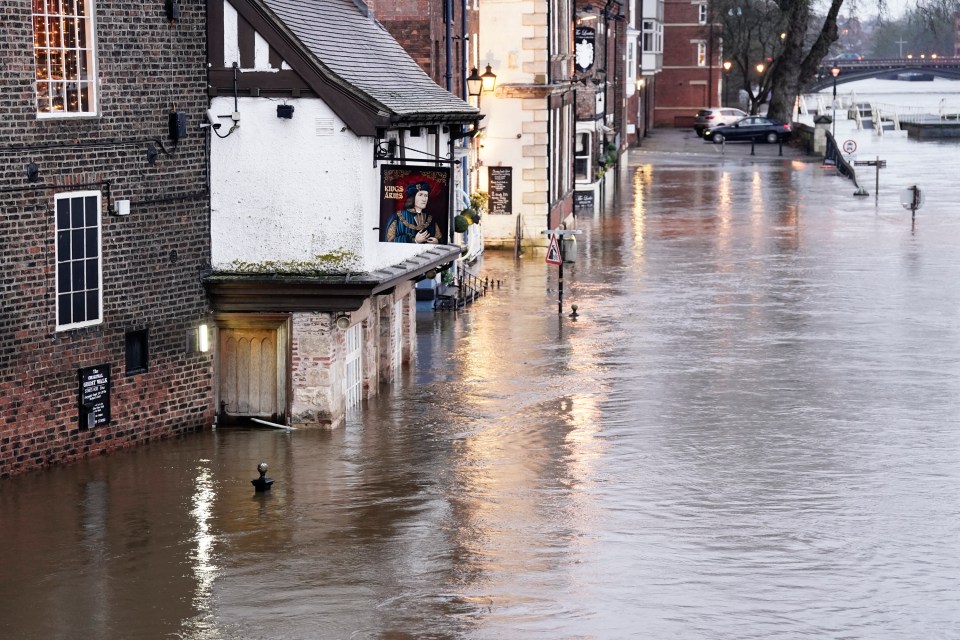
(781, 146)
(263, 483)
(752, 142)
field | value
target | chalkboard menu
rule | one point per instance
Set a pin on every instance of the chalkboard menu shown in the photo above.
(583, 200)
(94, 396)
(500, 190)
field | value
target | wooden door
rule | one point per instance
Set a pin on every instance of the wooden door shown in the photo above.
(251, 374)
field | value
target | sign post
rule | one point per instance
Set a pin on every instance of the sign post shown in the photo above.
(879, 164)
(555, 256)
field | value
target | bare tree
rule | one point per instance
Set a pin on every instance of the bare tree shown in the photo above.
(786, 37)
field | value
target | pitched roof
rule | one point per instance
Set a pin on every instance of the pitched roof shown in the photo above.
(353, 45)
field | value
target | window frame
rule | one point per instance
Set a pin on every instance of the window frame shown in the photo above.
(702, 13)
(701, 53)
(60, 259)
(84, 51)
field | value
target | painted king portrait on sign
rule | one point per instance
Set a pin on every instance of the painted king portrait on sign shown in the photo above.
(414, 205)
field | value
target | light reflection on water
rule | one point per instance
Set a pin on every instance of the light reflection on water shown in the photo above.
(749, 432)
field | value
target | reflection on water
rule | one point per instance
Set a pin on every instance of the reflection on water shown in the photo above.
(749, 432)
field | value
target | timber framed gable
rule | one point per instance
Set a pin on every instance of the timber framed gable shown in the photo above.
(272, 62)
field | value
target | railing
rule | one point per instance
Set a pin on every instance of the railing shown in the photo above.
(833, 156)
(467, 288)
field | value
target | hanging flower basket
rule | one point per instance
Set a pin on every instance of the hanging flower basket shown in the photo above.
(460, 223)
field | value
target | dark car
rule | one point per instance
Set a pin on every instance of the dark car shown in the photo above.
(716, 116)
(757, 128)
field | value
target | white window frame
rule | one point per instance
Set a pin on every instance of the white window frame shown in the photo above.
(702, 13)
(652, 37)
(701, 53)
(69, 231)
(353, 367)
(65, 61)
(583, 156)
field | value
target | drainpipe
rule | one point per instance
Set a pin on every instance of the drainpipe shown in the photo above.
(464, 49)
(448, 32)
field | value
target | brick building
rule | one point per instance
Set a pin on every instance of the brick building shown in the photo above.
(691, 64)
(104, 228)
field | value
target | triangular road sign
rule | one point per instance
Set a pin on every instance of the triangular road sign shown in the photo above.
(553, 251)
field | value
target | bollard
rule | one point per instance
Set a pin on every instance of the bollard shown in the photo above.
(752, 142)
(263, 483)
(573, 313)
(781, 146)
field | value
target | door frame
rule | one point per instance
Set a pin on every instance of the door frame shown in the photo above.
(281, 323)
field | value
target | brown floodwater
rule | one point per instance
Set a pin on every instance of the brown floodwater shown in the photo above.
(750, 431)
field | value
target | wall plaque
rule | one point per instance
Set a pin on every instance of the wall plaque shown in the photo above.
(94, 396)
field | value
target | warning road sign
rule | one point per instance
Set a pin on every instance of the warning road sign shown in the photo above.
(553, 251)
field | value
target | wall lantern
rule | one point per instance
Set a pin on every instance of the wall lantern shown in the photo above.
(343, 321)
(474, 84)
(285, 111)
(203, 338)
(489, 80)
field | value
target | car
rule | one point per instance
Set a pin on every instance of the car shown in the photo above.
(756, 128)
(713, 117)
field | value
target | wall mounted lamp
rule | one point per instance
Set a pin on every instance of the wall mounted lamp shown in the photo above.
(203, 337)
(285, 111)
(474, 83)
(343, 321)
(488, 80)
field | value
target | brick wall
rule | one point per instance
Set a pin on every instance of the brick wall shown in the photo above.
(150, 259)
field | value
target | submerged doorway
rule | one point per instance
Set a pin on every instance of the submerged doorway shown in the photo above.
(252, 365)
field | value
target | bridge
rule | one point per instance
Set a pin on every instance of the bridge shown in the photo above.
(853, 70)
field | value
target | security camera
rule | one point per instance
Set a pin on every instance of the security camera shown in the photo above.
(212, 119)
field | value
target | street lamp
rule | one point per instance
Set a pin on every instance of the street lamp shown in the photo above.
(488, 80)
(727, 65)
(835, 71)
(474, 84)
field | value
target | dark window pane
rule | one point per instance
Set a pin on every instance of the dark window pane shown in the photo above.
(63, 245)
(63, 213)
(92, 211)
(76, 244)
(76, 212)
(92, 277)
(93, 305)
(76, 281)
(63, 313)
(79, 307)
(93, 248)
(137, 351)
(63, 277)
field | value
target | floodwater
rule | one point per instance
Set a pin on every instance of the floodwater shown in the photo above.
(750, 431)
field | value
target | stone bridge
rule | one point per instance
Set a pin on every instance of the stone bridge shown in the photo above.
(852, 70)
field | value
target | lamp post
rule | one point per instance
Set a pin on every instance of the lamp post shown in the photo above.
(488, 80)
(754, 109)
(726, 82)
(835, 71)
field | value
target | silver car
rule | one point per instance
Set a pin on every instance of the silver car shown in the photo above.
(708, 118)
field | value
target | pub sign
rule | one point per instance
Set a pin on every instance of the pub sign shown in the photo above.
(94, 396)
(414, 204)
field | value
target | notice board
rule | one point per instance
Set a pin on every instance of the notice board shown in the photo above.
(583, 200)
(500, 190)
(94, 396)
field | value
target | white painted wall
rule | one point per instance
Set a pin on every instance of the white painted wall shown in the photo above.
(292, 189)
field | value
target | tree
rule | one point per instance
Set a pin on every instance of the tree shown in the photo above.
(786, 37)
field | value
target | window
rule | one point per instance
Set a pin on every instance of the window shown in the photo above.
(137, 351)
(701, 54)
(79, 274)
(64, 57)
(352, 381)
(702, 16)
(581, 158)
(652, 36)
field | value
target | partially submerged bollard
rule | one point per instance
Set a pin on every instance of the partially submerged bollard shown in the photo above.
(263, 483)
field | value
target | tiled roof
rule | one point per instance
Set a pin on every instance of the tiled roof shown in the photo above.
(362, 52)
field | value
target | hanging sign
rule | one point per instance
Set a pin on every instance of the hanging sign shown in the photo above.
(414, 204)
(94, 396)
(584, 40)
(553, 251)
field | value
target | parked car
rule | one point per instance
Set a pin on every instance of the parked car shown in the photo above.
(757, 128)
(707, 118)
